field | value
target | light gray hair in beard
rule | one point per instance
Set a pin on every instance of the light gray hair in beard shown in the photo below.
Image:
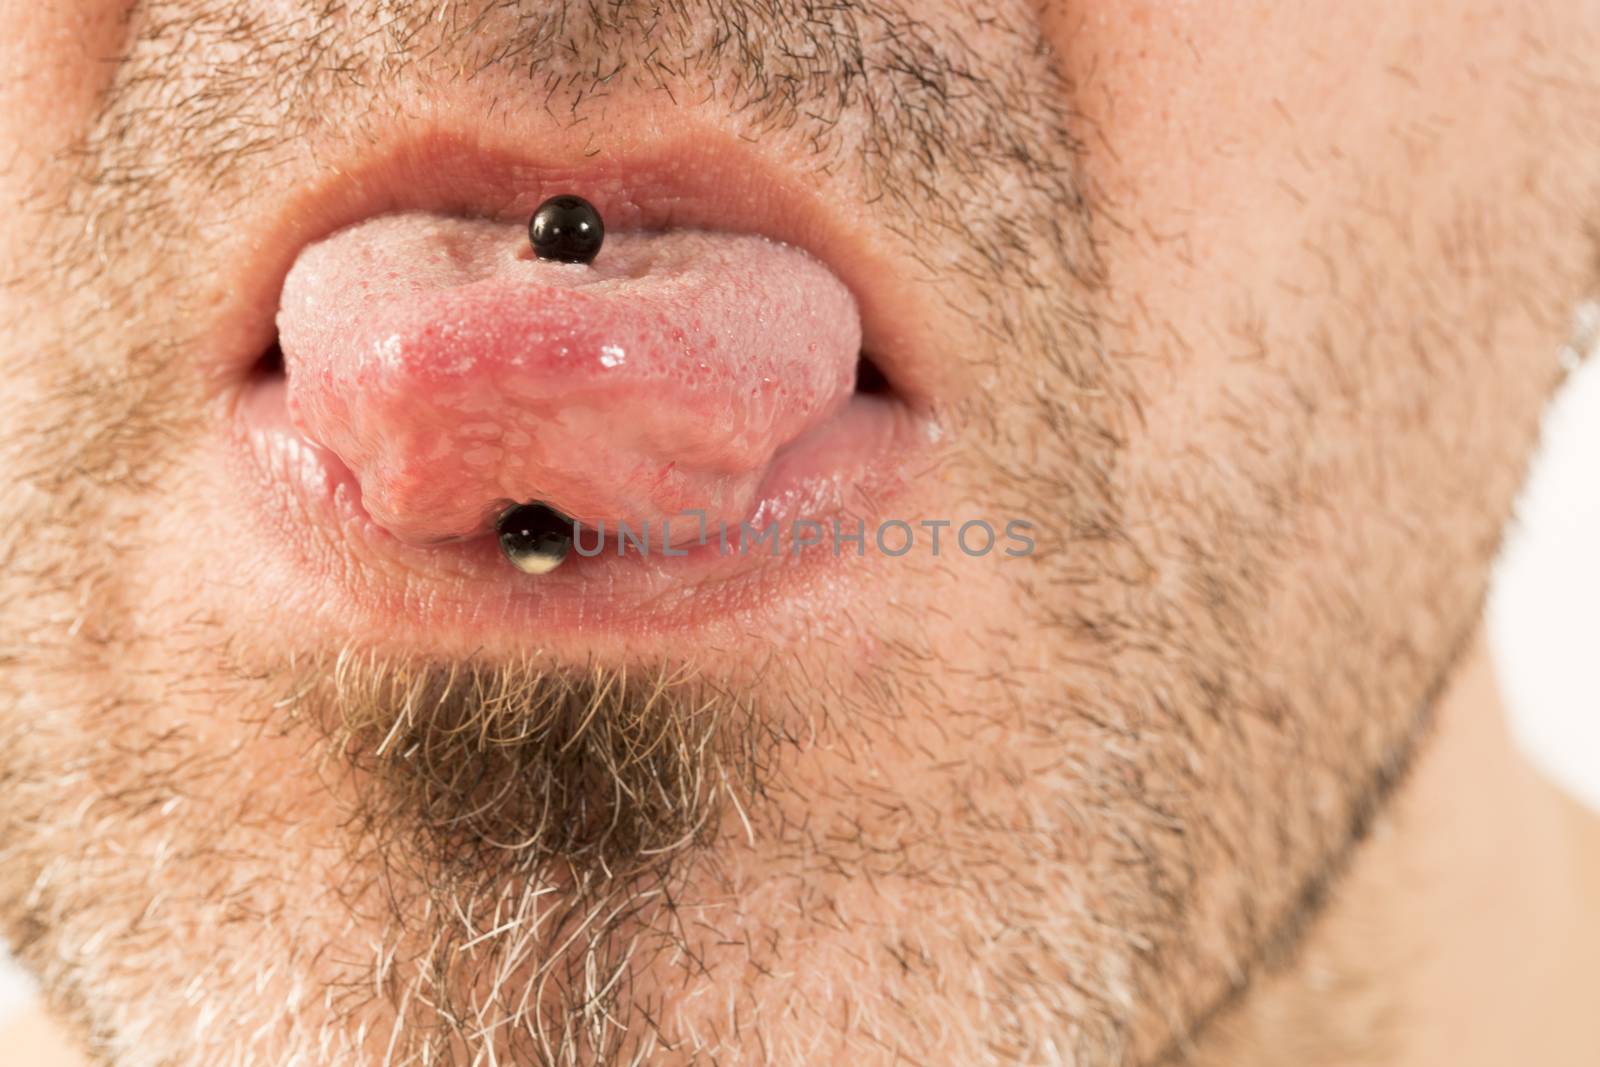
(522, 834)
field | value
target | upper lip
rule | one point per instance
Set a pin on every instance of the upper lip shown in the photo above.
(694, 177)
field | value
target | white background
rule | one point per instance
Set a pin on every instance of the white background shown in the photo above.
(1544, 613)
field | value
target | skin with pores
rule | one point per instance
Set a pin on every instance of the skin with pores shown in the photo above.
(1250, 310)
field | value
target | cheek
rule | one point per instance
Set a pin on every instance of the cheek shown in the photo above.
(1217, 131)
(1251, 162)
(58, 59)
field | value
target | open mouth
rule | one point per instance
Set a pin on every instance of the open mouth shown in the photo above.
(700, 404)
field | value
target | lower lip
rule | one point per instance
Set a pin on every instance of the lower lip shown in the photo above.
(305, 505)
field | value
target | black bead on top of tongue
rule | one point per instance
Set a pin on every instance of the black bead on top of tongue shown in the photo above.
(534, 537)
(566, 229)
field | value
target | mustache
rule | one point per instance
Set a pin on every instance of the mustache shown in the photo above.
(780, 66)
(926, 117)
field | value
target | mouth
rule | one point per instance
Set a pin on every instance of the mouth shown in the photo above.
(725, 403)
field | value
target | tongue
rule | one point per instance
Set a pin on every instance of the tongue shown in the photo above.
(454, 374)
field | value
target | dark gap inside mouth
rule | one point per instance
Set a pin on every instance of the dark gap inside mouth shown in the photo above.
(270, 365)
(870, 380)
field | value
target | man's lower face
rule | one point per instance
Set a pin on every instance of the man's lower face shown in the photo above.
(297, 768)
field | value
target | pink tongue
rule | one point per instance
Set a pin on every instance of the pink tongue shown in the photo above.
(454, 374)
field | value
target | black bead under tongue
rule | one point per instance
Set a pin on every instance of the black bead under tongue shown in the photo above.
(534, 537)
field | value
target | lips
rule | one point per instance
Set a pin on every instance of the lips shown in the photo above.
(713, 358)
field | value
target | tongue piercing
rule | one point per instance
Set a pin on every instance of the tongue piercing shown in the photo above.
(534, 537)
(566, 229)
